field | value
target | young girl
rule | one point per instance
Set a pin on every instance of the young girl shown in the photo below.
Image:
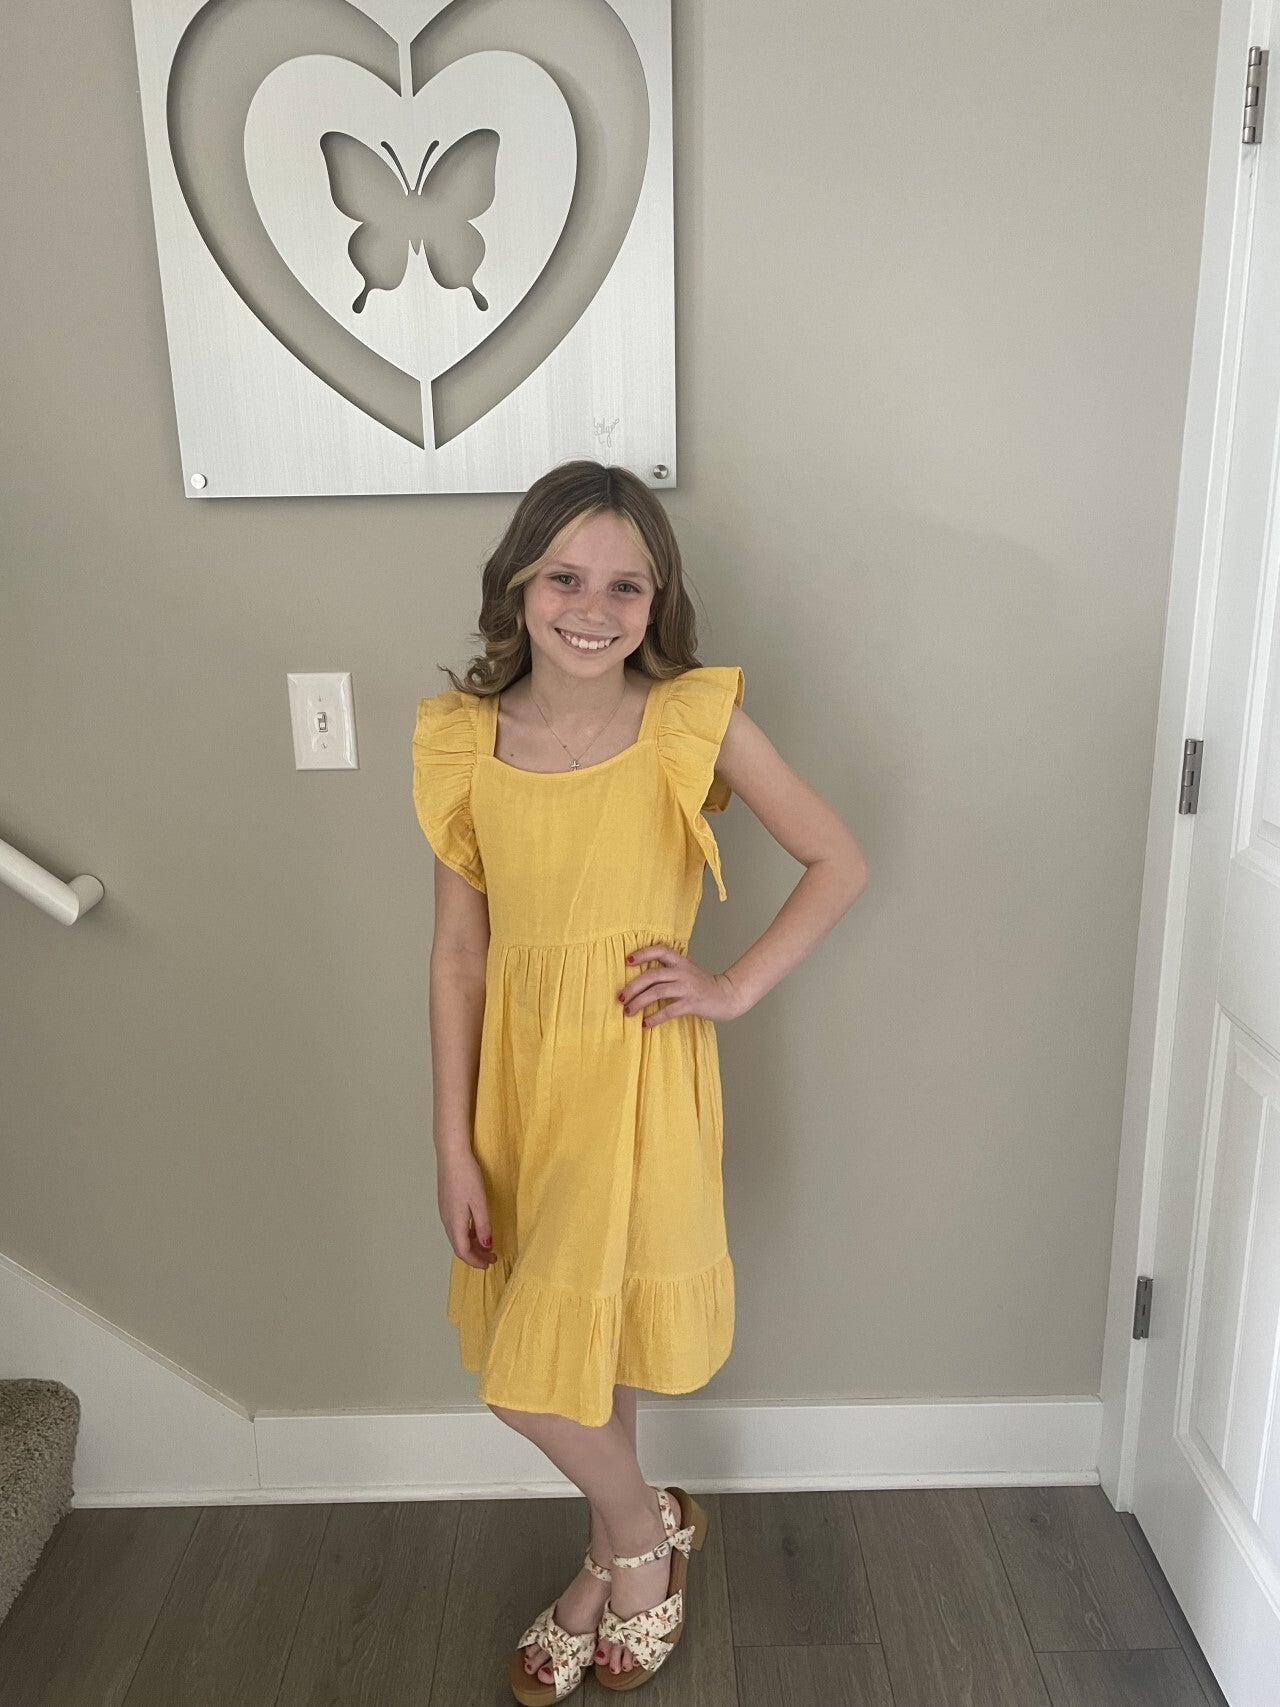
(578, 1121)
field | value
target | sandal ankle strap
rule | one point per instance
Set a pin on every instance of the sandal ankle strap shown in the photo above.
(597, 1570)
(681, 1538)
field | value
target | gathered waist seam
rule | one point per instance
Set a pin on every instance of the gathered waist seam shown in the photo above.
(655, 933)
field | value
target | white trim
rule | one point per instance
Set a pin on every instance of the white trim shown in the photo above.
(1193, 587)
(151, 1433)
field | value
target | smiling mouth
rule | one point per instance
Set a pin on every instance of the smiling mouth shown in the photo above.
(586, 643)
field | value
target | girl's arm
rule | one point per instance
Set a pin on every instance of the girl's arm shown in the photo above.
(802, 822)
(459, 950)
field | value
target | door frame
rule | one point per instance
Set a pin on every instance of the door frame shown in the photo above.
(1193, 583)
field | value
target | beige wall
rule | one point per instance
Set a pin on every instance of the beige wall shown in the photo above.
(936, 270)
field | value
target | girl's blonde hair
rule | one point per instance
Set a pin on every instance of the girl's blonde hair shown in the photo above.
(547, 515)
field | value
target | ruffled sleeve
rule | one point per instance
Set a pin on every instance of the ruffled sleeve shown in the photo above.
(695, 714)
(444, 754)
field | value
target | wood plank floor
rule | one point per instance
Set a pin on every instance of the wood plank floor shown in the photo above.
(957, 1597)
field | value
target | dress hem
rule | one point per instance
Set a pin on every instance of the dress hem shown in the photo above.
(541, 1347)
(650, 1386)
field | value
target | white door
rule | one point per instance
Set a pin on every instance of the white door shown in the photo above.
(1207, 1471)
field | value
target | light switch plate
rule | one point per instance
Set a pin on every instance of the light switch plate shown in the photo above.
(323, 717)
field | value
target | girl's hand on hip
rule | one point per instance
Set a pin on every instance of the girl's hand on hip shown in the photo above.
(684, 986)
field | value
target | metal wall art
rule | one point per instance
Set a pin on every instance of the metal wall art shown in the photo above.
(412, 247)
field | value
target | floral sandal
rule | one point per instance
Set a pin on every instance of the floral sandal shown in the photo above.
(650, 1636)
(569, 1653)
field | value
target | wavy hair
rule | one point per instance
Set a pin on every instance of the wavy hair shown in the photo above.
(546, 516)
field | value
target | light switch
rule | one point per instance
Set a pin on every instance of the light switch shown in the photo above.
(323, 718)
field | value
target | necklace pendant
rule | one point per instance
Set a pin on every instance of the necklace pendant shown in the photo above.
(574, 765)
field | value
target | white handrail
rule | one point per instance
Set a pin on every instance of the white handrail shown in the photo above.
(65, 901)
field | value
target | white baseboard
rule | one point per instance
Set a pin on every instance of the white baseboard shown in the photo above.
(151, 1433)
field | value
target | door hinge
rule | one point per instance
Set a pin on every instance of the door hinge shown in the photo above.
(1142, 1308)
(1255, 94)
(1189, 792)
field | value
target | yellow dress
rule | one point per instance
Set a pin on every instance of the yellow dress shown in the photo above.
(599, 1139)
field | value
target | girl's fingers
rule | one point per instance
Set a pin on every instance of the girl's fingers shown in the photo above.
(482, 1242)
(672, 1012)
(471, 1248)
(656, 980)
(656, 951)
(663, 989)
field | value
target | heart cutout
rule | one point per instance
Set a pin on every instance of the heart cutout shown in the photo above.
(231, 46)
(352, 246)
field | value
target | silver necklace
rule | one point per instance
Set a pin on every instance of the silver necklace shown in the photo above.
(599, 732)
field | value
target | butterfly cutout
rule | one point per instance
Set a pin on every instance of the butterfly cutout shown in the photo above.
(432, 217)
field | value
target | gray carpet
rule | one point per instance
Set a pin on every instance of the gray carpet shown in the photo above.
(39, 1422)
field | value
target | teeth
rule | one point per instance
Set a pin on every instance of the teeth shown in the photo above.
(585, 645)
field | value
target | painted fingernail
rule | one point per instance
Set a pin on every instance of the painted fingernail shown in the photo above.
(487, 1240)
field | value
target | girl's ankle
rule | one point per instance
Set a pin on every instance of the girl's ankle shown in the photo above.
(645, 1531)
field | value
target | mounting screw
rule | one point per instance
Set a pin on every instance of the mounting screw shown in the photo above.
(199, 482)
(660, 471)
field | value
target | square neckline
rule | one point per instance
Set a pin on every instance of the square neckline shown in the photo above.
(490, 738)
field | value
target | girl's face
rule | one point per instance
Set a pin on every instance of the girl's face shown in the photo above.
(598, 587)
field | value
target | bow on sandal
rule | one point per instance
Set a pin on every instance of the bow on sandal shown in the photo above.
(569, 1653)
(650, 1636)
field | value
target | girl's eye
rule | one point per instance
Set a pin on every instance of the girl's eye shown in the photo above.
(563, 575)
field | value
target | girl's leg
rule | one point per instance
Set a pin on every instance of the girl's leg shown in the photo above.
(624, 1412)
(602, 1463)
(581, 1604)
